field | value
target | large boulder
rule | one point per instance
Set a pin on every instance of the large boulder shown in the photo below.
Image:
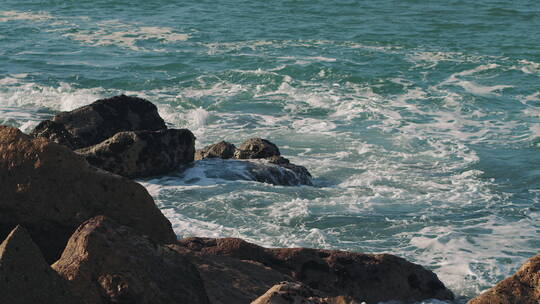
(523, 287)
(25, 276)
(142, 153)
(109, 263)
(298, 293)
(222, 149)
(254, 148)
(51, 191)
(363, 277)
(92, 124)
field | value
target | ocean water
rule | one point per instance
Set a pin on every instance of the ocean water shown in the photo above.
(419, 120)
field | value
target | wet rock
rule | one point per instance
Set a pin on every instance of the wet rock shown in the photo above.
(25, 276)
(142, 153)
(523, 287)
(298, 293)
(109, 263)
(222, 149)
(363, 277)
(92, 124)
(51, 191)
(255, 148)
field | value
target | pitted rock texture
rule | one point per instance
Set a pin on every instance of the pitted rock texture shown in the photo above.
(222, 149)
(142, 153)
(363, 277)
(298, 293)
(523, 287)
(94, 123)
(51, 190)
(254, 148)
(109, 263)
(25, 276)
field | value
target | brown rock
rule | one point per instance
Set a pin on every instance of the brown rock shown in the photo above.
(110, 263)
(92, 124)
(142, 153)
(51, 191)
(222, 149)
(364, 277)
(25, 277)
(298, 293)
(256, 148)
(523, 287)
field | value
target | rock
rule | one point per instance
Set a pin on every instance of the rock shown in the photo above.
(51, 191)
(142, 153)
(254, 148)
(523, 287)
(92, 124)
(229, 280)
(298, 293)
(110, 263)
(25, 277)
(364, 277)
(222, 149)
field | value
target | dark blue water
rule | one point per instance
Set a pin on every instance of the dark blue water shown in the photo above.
(420, 120)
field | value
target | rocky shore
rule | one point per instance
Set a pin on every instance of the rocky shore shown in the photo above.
(77, 229)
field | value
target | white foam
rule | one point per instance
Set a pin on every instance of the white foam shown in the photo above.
(6, 16)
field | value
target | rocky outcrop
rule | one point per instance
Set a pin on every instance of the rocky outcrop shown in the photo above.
(25, 277)
(109, 263)
(298, 293)
(142, 153)
(51, 191)
(255, 148)
(94, 123)
(364, 277)
(222, 149)
(266, 164)
(523, 287)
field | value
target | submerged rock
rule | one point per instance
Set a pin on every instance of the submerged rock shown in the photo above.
(222, 149)
(109, 263)
(51, 191)
(363, 277)
(298, 293)
(92, 124)
(25, 277)
(523, 287)
(255, 148)
(142, 153)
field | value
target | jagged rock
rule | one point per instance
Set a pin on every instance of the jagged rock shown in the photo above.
(51, 191)
(142, 153)
(25, 277)
(298, 293)
(523, 287)
(109, 263)
(363, 277)
(222, 149)
(228, 280)
(254, 148)
(94, 123)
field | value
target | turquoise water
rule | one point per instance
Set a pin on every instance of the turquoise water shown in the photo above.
(419, 120)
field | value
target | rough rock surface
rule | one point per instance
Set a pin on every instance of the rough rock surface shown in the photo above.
(51, 191)
(523, 287)
(364, 277)
(298, 293)
(92, 124)
(142, 153)
(25, 277)
(256, 148)
(222, 149)
(110, 263)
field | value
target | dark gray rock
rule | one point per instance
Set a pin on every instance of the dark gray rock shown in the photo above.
(142, 153)
(254, 148)
(25, 277)
(222, 149)
(283, 173)
(92, 124)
